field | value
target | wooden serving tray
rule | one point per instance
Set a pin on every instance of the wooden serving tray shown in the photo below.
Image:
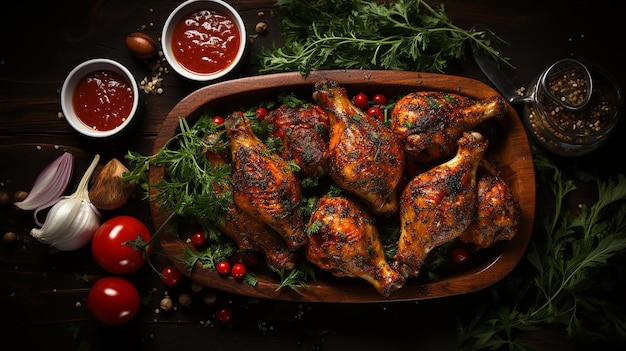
(509, 150)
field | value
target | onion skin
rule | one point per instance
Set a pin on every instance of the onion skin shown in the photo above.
(108, 191)
(49, 185)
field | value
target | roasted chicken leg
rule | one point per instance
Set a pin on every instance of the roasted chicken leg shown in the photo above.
(344, 241)
(264, 185)
(303, 132)
(438, 205)
(248, 233)
(365, 157)
(430, 122)
(497, 211)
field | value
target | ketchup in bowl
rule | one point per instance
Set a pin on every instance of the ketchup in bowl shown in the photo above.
(206, 41)
(103, 100)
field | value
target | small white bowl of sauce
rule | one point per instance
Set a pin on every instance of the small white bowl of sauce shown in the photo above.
(204, 40)
(99, 98)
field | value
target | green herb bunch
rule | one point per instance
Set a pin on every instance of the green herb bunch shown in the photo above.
(565, 281)
(363, 34)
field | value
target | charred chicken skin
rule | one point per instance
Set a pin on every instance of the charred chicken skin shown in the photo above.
(344, 240)
(264, 185)
(248, 233)
(438, 205)
(303, 132)
(430, 122)
(497, 211)
(364, 157)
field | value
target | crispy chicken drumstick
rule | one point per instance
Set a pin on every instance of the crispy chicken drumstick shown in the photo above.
(365, 157)
(264, 186)
(343, 240)
(437, 205)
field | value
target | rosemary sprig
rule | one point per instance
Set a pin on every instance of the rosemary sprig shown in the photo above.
(395, 35)
(563, 281)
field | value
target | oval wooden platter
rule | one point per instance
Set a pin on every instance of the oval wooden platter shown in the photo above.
(509, 150)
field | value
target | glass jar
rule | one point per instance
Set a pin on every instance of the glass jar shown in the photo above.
(574, 132)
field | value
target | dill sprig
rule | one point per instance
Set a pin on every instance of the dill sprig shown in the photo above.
(565, 280)
(362, 34)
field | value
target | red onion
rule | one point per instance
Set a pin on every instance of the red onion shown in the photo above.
(49, 185)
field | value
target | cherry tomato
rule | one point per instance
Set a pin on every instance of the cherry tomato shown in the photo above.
(238, 271)
(113, 300)
(379, 99)
(261, 113)
(198, 239)
(120, 246)
(361, 100)
(218, 120)
(224, 314)
(170, 275)
(223, 267)
(459, 255)
(377, 113)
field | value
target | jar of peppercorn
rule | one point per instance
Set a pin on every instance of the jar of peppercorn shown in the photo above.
(572, 132)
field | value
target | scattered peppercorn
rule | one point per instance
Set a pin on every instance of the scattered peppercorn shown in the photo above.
(184, 300)
(9, 237)
(166, 304)
(19, 195)
(261, 27)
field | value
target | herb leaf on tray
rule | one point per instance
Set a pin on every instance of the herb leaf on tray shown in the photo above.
(565, 279)
(396, 35)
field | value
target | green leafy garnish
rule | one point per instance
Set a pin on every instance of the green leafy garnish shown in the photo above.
(565, 280)
(363, 34)
(295, 278)
(189, 190)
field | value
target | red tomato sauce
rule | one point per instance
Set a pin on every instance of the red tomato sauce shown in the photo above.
(103, 100)
(205, 41)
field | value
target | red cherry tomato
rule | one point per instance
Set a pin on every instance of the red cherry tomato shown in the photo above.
(261, 113)
(459, 255)
(113, 300)
(120, 244)
(361, 100)
(379, 99)
(223, 267)
(377, 113)
(224, 314)
(218, 120)
(170, 275)
(198, 239)
(238, 271)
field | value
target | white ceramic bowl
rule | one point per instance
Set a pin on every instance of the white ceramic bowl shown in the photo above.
(192, 6)
(72, 80)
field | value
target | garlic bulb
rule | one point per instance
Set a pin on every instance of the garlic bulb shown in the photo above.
(73, 220)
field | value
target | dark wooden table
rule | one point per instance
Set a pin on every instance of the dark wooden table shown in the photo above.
(42, 295)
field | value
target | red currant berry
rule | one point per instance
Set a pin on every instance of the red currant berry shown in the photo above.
(361, 100)
(224, 314)
(198, 239)
(218, 120)
(170, 276)
(223, 267)
(238, 271)
(379, 99)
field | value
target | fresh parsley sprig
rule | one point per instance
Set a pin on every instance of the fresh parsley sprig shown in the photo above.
(362, 34)
(189, 190)
(563, 281)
